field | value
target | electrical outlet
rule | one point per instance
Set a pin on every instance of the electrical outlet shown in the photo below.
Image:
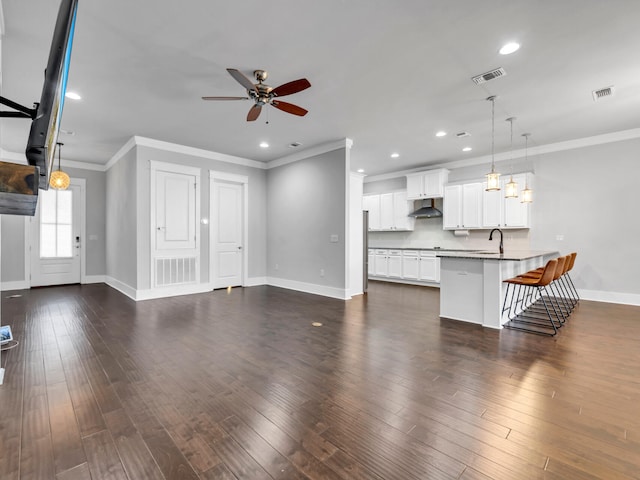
(322, 272)
(333, 238)
(560, 238)
(277, 267)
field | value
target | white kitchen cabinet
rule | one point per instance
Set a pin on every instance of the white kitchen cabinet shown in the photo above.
(371, 262)
(389, 211)
(501, 212)
(394, 266)
(472, 205)
(462, 206)
(516, 213)
(381, 263)
(410, 265)
(371, 203)
(428, 184)
(429, 268)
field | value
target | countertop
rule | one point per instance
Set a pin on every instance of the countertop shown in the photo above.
(514, 255)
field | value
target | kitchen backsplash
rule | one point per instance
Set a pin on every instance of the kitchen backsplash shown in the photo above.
(428, 233)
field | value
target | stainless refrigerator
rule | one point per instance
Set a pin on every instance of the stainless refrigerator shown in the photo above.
(365, 250)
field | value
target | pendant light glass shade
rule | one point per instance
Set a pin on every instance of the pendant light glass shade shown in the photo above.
(493, 177)
(511, 188)
(527, 193)
(59, 180)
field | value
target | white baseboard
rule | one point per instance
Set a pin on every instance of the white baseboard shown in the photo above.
(1, 376)
(405, 281)
(255, 281)
(340, 293)
(173, 291)
(19, 285)
(152, 293)
(94, 279)
(610, 297)
(122, 287)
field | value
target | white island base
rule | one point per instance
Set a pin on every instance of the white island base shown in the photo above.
(471, 287)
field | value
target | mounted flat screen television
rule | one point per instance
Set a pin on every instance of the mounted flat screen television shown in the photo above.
(46, 123)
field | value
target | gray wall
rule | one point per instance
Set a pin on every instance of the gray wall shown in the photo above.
(306, 204)
(13, 248)
(121, 218)
(257, 209)
(586, 195)
(589, 195)
(13, 237)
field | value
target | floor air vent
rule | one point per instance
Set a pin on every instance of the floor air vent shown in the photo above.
(602, 93)
(485, 77)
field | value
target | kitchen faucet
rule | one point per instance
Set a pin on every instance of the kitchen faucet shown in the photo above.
(500, 232)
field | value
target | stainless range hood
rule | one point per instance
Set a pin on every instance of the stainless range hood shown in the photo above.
(427, 210)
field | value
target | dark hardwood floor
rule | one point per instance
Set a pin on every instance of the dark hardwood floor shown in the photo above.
(240, 385)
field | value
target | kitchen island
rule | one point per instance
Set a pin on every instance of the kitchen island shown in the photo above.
(471, 287)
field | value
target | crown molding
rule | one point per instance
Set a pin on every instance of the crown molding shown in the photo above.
(311, 152)
(198, 152)
(521, 153)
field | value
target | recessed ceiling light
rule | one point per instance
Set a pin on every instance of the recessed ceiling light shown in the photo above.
(441, 133)
(264, 145)
(361, 170)
(73, 96)
(509, 48)
(395, 155)
(466, 149)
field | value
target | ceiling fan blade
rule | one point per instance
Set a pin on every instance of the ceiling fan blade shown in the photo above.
(242, 79)
(289, 108)
(254, 113)
(291, 87)
(225, 98)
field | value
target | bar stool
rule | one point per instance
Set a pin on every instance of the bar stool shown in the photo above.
(526, 295)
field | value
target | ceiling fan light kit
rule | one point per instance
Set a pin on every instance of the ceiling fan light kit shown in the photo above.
(263, 94)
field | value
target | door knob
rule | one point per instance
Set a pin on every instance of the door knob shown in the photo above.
(240, 248)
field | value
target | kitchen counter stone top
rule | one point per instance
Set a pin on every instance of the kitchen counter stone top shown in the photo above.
(512, 255)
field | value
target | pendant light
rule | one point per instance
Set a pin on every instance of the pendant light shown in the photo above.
(493, 177)
(527, 193)
(511, 188)
(59, 180)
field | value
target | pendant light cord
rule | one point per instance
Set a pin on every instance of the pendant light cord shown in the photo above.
(493, 132)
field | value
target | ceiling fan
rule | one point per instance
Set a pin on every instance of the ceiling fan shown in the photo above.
(263, 94)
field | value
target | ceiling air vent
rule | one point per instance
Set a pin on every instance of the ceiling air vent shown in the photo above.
(294, 144)
(462, 134)
(485, 77)
(603, 92)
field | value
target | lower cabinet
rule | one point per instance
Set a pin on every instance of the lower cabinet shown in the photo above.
(415, 266)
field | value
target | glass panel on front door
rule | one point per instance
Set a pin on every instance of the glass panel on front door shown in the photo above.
(56, 232)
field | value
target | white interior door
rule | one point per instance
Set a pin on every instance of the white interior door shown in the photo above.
(56, 243)
(227, 233)
(175, 235)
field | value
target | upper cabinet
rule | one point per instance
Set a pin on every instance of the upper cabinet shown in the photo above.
(389, 211)
(501, 212)
(462, 206)
(428, 184)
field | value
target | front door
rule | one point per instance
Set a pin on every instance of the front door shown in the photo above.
(56, 243)
(227, 207)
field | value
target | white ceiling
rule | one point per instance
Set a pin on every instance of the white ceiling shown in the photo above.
(386, 73)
